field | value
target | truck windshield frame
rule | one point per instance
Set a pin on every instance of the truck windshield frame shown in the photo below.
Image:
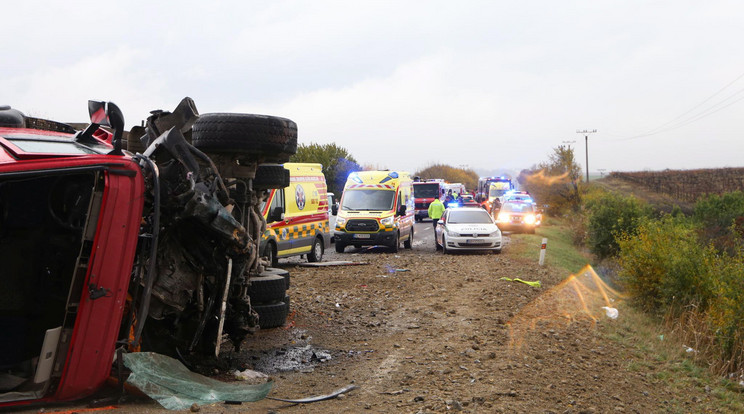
(368, 200)
(426, 190)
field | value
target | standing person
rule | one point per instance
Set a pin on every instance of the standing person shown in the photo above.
(436, 209)
(496, 207)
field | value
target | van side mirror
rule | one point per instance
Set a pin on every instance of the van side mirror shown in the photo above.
(108, 114)
(276, 214)
(402, 210)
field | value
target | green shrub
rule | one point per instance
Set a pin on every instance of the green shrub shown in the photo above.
(664, 265)
(610, 216)
(721, 218)
(726, 311)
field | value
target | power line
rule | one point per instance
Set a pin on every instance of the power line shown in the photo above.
(683, 120)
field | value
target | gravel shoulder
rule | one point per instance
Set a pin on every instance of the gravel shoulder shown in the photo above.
(420, 331)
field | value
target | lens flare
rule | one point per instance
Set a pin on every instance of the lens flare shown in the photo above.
(541, 178)
(581, 295)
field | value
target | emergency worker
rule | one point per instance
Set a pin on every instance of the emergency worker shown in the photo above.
(496, 207)
(436, 209)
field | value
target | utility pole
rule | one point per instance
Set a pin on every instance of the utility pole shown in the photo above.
(568, 143)
(586, 133)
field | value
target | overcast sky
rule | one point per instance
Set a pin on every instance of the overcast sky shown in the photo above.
(406, 84)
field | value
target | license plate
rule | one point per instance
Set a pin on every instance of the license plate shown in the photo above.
(361, 236)
(474, 241)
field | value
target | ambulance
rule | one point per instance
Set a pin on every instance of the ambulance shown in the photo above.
(377, 208)
(297, 216)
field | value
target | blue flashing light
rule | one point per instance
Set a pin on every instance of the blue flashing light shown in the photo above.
(393, 174)
(354, 177)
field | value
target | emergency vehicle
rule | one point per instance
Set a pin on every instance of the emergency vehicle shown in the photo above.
(484, 186)
(424, 192)
(377, 208)
(297, 216)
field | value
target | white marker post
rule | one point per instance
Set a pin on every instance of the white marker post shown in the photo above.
(543, 247)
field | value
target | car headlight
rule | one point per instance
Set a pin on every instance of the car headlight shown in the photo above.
(529, 219)
(340, 221)
(497, 233)
(387, 221)
(452, 233)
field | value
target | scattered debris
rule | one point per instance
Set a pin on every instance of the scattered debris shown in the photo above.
(250, 375)
(536, 283)
(334, 394)
(333, 263)
(170, 383)
(612, 313)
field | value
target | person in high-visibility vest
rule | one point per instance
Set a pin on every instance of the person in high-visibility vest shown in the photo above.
(436, 209)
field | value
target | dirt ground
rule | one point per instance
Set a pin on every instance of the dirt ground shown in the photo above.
(420, 331)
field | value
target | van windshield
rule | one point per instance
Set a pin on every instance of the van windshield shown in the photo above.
(368, 200)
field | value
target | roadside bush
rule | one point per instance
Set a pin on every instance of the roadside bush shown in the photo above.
(721, 219)
(664, 265)
(608, 217)
(726, 311)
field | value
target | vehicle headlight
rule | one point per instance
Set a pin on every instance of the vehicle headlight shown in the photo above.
(387, 221)
(496, 233)
(452, 233)
(502, 217)
(529, 219)
(340, 221)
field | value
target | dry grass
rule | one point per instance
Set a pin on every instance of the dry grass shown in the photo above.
(659, 201)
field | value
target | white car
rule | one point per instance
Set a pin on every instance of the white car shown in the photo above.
(467, 228)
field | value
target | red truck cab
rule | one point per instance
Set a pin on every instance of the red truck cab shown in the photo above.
(143, 244)
(69, 218)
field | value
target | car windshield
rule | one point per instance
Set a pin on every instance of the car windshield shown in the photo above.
(368, 200)
(469, 216)
(517, 207)
(426, 190)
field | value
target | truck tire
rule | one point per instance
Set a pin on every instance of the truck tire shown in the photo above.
(134, 145)
(271, 315)
(267, 288)
(316, 252)
(340, 247)
(270, 176)
(277, 271)
(271, 137)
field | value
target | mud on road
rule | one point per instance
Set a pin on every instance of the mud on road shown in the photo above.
(420, 331)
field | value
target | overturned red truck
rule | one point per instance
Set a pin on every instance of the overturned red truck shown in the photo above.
(148, 243)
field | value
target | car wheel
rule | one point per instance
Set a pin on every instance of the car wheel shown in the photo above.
(316, 253)
(271, 137)
(267, 288)
(437, 246)
(395, 245)
(444, 245)
(270, 176)
(271, 315)
(408, 244)
(270, 254)
(340, 247)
